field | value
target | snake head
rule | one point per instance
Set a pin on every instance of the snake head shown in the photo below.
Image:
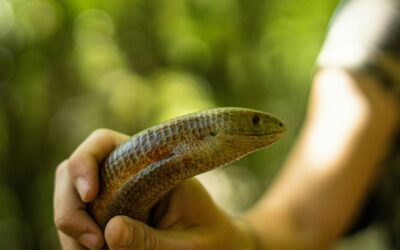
(238, 132)
(242, 121)
(251, 126)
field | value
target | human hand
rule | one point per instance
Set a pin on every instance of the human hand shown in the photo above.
(186, 218)
(76, 183)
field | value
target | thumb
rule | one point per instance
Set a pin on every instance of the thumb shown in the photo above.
(123, 232)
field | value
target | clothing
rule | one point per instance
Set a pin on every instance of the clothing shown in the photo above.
(365, 37)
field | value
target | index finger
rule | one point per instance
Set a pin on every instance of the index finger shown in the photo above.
(84, 162)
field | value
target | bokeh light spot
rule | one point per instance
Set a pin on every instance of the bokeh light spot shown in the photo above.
(128, 99)
(180, 93)
(39, 19)
(93, 22)
(6, 18)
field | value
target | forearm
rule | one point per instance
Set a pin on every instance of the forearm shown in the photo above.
(346, 135)
(352, 117)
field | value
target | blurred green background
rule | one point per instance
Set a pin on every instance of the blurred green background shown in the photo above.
(69, 67)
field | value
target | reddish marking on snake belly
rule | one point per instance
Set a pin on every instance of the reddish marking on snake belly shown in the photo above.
(159, 153)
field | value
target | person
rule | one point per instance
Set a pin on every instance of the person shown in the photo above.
(351, 121)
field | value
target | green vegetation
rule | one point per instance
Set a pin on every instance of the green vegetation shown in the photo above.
(69, 67)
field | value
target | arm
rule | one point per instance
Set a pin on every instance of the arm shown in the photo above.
(352, 117)
(347, 132)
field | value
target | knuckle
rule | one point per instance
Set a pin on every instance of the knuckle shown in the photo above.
(74, 168)
(63, 222)
(75, 162)
(61, 168)
(101, 133)
(150, 239)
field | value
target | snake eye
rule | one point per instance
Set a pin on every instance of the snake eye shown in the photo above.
(256, 120)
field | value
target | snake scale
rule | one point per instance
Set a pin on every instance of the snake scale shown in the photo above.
(141, 170)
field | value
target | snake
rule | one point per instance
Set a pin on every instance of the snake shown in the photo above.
(141, 170)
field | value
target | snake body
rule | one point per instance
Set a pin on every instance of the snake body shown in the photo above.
(142, 169)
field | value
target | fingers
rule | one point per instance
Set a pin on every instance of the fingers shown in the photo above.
(70, 215)
(83, 163)
(125, 233)
(69, 243)
(76, 183)
(188, 219)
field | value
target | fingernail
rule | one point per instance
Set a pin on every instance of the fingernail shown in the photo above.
(83, 188)
(90, 240)
(125, 239)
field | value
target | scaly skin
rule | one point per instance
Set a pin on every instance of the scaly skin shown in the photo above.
(141, 170)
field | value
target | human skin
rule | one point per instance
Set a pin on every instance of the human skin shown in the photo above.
(187, 218)
(348, 129)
